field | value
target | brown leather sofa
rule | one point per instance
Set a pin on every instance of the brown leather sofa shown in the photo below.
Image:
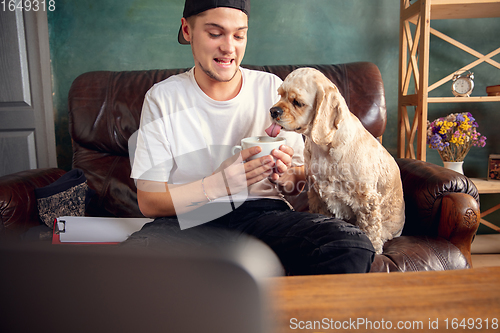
(442, 207)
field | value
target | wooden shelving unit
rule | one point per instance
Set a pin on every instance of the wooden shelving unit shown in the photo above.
(414, 64)
(488, 187)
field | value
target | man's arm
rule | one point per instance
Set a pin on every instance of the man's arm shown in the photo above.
(158, 199)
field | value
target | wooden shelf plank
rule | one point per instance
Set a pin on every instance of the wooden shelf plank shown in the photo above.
(412, 100)
(486, 186)
(463, 99)
(456, 9)
(461, 9)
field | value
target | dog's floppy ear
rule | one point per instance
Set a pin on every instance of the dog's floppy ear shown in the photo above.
(330, 111)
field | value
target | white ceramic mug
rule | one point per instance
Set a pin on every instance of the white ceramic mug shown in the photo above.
(266, 143)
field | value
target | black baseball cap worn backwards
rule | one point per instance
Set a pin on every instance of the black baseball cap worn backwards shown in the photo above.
(194, 7)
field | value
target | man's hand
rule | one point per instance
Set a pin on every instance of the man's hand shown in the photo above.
(283, 162)
(237, 172)
(290, 180)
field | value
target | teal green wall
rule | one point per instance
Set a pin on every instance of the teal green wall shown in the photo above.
(87, 35)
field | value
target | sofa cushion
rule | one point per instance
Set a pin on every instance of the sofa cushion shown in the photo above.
(418, 253)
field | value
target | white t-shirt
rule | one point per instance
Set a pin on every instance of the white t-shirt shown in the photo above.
(185, 135)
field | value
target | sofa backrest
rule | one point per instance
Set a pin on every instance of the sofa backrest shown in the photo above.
(105, 109)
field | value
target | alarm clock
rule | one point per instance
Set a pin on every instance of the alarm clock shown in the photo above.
(462, 84)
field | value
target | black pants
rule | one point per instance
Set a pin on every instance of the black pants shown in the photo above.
(305, 243)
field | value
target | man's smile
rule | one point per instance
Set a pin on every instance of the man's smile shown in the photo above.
(224, 61)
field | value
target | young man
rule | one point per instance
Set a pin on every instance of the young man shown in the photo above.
(187, 177)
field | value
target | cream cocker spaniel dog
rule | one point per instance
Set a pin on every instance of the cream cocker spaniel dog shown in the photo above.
(351, 175)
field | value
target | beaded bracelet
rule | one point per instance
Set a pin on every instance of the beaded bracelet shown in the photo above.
(203, 188)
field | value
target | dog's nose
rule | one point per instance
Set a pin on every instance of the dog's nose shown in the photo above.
(276, 112)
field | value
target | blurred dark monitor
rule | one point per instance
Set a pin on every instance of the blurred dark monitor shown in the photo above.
(110, 288)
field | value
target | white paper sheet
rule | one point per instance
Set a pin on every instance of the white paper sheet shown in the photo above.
(99, 229)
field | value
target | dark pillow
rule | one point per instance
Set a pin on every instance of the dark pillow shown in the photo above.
(64, 197)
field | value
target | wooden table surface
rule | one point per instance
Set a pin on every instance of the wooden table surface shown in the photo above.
(421, 301)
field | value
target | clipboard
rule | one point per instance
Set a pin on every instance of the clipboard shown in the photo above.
(95, 230)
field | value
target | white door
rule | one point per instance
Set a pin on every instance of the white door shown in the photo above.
(27, 139)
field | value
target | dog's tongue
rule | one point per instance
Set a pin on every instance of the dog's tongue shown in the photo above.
(273, 130)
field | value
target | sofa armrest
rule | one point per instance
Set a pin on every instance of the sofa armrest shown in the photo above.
(18, 209)
(439, 202)
(460, 218)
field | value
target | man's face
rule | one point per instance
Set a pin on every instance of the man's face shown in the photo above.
(218, 40)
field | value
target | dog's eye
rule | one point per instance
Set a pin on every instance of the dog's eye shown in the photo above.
(297, 104)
